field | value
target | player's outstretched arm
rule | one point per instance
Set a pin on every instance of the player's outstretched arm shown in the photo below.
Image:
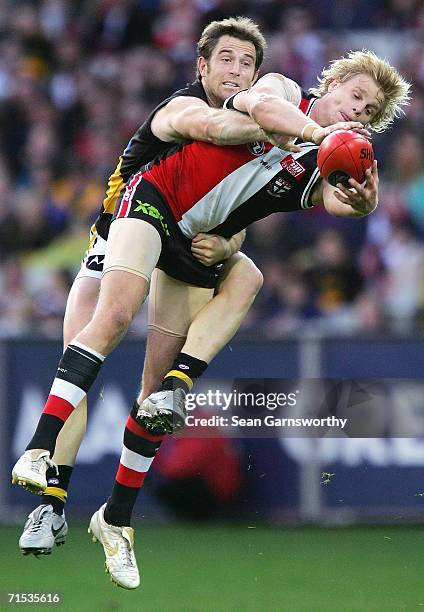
(187, 118)
(358, 201)
(272, 103)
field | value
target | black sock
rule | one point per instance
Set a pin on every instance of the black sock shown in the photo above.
(184, 370)
(120, 505)
(45, 436)
(57, 487)
(78, 366)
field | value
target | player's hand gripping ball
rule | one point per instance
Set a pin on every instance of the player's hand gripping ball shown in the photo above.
(344, 154)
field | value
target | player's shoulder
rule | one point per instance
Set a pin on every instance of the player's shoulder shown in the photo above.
(278, 76)
(279, 84)
(191, 95)
(193, 90)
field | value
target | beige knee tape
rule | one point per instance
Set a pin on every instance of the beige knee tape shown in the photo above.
(133, 246)
(173, 304)
(165, 332)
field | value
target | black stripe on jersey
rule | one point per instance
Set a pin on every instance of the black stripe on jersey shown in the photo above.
(297, 196)
(305, 200)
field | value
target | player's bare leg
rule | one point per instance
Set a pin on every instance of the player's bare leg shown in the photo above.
(219, 320)
(211, 329)
(135, 246)
(161, 350)
(168, 328)
(117, 539)
(166, 335)
(46, 525)
(80, 308)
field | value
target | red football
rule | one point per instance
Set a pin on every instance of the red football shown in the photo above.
(344, 154)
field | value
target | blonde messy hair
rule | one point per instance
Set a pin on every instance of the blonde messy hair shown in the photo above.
(395, 88)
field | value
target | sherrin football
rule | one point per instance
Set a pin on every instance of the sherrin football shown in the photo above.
(344, 154)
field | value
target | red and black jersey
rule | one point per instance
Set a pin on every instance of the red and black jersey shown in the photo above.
(141, 149)
(222, 190)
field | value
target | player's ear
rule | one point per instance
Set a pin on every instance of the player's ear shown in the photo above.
(333, 85)
(202, 66)
(255, 78)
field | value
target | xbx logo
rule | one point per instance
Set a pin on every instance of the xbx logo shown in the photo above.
(152, 211)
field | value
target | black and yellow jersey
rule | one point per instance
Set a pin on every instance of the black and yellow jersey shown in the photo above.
(143, 147)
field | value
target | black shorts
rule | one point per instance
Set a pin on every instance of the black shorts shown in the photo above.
(147, 203)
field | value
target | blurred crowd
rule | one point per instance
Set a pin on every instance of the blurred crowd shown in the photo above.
(78, 78)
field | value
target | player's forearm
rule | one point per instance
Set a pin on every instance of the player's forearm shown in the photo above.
(230, 128)
(279, 116)
(235, 242)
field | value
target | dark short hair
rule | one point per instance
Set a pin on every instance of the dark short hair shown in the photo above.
(242, 28)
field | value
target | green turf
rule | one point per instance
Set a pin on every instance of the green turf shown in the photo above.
(224, 568)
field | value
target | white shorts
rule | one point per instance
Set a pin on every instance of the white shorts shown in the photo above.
(94, 258)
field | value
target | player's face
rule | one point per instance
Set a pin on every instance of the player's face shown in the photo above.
(357, 99)
(230, 68)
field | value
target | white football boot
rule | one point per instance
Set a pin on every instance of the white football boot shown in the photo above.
(43, 529)
(29, 471)
(118, 545)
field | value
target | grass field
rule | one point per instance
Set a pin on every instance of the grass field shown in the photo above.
(225, 568)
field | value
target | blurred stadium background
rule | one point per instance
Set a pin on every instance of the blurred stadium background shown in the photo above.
(342, 299)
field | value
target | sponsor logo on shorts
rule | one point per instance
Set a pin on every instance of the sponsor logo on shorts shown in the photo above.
(95, 262)
(278, 187)
(256, 148)
(183, 367)
(53, 481)
(152, 211)
(293, 167)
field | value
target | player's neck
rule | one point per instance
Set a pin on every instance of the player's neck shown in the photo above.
(316, 113)
(213, 101)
